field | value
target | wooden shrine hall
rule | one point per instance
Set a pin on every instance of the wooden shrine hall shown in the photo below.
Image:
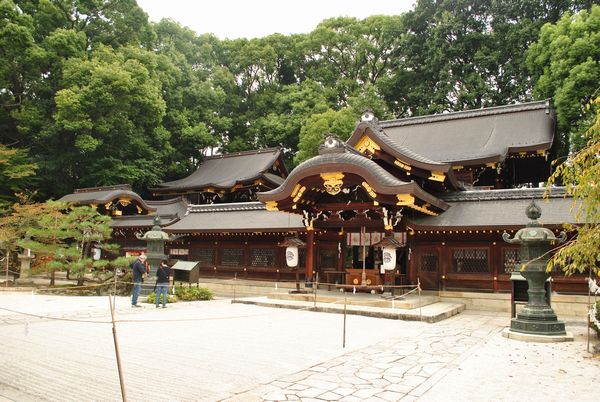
(443, 187)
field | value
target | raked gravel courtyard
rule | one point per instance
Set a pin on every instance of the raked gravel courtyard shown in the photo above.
(213, 351)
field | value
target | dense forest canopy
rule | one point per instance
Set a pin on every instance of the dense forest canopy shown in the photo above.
(92, 93)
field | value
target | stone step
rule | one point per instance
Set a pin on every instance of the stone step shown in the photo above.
(431, 313)
(408, 302)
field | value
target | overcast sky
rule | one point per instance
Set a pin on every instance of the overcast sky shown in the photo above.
(233, 19)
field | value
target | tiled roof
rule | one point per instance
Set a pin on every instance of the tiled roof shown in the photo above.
(235, 217)
(499, 209)
(475, 136)
(224, 171)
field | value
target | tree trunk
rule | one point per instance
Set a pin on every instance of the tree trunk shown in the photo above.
(52, 276)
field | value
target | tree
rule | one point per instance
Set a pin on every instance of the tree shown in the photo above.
(345, 53)
(317, 127)
(580, 173)
(15, 222)
(106, 127)
(62, 237)
(565, 62)
(46, 235)
(15, 173)
(89, 230)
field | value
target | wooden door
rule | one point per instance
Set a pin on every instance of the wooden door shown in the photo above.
(428, 267)
(327, 262)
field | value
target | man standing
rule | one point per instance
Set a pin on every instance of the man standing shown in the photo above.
(162, 282)
(139, 270)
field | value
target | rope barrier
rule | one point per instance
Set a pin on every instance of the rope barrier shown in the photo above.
(45, 317)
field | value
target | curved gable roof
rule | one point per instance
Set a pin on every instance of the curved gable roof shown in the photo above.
(349, 162)
(401, 154)
(225, 171)
(476, 136)
(391, 147)
(169, 211)
(103, 195)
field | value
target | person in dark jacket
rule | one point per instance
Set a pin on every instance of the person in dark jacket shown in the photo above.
(162, 282)
(139, 270)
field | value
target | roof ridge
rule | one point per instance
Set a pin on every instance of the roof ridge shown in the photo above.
(505, 194)
(465, 114)
(243, 153)
(126, 187)
(233, 206)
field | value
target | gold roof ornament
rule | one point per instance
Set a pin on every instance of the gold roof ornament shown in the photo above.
(333, 182)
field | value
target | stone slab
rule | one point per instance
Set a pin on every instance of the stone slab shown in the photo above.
(507, 333)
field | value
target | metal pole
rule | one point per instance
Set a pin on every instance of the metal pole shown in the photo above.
(344, 336)
(7, 260)
(114, 331)
(315, 284)
(420, 304)
(363, 277)
(115, 293)
(589, 304)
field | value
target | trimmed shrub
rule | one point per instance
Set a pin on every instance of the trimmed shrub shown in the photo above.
(193, 293)
(593, 323)
(152, 298)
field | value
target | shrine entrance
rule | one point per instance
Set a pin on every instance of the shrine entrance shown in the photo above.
(352, 203)
(428, 267)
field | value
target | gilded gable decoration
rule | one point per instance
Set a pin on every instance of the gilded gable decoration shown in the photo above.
(333, 182)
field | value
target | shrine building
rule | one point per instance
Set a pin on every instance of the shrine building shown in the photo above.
(443, 187)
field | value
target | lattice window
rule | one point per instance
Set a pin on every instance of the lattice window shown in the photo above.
(429, 262)
(328, 258)
(301, 258)
(205, 256)
(232, 257)
(512, 260)
(262, 257)
(470, 260)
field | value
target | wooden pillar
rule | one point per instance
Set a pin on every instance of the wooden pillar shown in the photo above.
(495, 262)
(310, 254)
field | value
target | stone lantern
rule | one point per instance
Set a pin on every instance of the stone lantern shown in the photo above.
(25, 273)
(536, 318)
(155, 246)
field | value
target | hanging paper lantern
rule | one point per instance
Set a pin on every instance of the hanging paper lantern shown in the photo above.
(291, 245)
(291, 256)
(389, 258)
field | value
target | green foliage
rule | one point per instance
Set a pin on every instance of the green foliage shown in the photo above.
(152, 298)
(64, 236)
(100, 96)
(15, 173)
(592, 324)
(580, 173)
(193, 293)
(565, 63)
(318, 126)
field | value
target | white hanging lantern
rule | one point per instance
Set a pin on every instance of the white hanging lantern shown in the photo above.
(291, 245)
(389, 245)
(291, 256)
(389, 258)
(96, 253)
